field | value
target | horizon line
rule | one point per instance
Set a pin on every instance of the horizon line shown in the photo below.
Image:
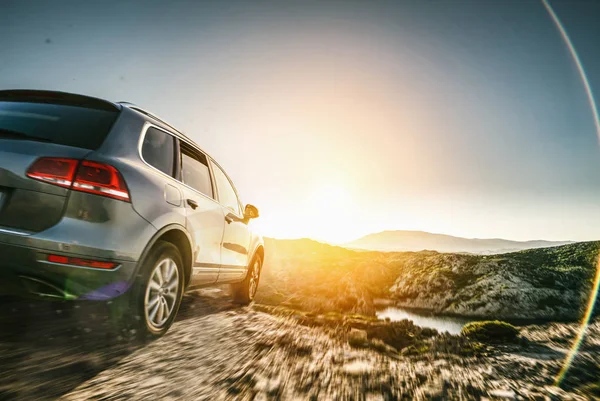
(425, 232)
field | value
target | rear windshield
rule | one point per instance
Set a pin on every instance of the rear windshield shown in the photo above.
(81, 127)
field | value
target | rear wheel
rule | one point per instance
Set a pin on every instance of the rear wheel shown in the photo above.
(244, 292)
(162, 292)
(156, 295)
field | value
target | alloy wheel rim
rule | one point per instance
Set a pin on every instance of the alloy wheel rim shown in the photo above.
(254, 275)
(161, 293)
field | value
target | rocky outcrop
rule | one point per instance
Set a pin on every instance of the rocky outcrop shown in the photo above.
(550, 283)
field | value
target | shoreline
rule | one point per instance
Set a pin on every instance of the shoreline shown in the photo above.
(426, 312)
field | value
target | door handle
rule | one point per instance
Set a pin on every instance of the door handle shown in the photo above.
(193, 204)
(228, 219)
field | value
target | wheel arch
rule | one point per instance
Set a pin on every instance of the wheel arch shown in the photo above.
(178, 236)
(260, 250)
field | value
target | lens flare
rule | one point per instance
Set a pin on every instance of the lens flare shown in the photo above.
(578, 64)
(595, 288)
(582, 329)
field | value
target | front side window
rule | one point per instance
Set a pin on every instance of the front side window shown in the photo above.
(158, 150)
(194, 170)
(227, 195)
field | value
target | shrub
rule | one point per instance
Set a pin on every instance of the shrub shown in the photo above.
(491, 331)
(357, 338)
(398, 334)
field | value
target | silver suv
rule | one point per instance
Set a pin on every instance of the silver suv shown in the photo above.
(105, 201)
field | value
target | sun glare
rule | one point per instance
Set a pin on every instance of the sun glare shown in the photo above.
(329, 213)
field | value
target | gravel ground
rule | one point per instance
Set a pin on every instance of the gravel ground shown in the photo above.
(216, 351)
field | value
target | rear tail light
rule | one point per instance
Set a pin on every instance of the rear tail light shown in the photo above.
(100, 179)
(85, 176)
(67, 260)
(54, 170)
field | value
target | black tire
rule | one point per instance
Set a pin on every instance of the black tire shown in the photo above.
(138, 322)
(242, 292)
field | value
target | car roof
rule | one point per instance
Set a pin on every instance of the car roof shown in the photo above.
(154, 117)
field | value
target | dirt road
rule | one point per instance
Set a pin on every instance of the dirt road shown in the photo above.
(216, 351)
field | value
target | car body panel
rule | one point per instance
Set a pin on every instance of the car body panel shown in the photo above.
(236, 236)
(234, 248)
(205, 223)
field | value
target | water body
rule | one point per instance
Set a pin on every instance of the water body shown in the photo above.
(453, 325)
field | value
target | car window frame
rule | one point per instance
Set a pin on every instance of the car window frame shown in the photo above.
(211, 177)
(240, 213)
(178, 139)
(175, 150)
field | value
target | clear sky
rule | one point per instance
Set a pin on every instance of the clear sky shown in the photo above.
(338, 119)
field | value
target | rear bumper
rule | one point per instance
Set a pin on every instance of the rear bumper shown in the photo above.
(25, 271)
(93, 228)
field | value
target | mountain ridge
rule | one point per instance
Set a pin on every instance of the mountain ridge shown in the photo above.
(409, 240)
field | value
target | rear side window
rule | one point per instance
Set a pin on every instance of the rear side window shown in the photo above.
(76, 126)
(194, 170)
(158, 150)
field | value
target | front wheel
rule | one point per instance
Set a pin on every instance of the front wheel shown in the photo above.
(244, 292)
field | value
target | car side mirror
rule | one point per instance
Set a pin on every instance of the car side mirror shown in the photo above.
(250, 212)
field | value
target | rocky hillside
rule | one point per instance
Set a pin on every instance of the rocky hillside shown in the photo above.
(316, 277)
(548, 283)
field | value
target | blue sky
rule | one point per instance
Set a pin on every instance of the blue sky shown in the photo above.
(342, 118)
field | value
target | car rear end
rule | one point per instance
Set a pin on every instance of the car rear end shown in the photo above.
(67, 225)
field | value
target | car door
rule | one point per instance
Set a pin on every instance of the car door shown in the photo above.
(236, 234)
(205, 220)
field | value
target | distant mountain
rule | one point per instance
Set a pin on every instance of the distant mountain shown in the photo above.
(401, 240)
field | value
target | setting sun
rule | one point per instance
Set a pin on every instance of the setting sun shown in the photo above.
(331, 208)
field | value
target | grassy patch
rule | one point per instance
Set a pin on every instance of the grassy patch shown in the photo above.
(491, 331)
(416, 349)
